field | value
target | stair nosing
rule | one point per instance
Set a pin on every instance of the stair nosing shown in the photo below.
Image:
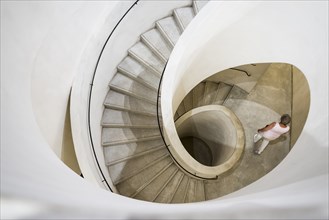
(186, 189)
(180, 181)
(153, 48)
(126, 141)
(163, 32)
(227, 95)
(109, 125)
(127, 92)
(153, 149)
(122, 108)
(122, 179)
(136, 79)
(166, 183)
(152, 179)
(143, 62)
(178, 20)
(132, 76)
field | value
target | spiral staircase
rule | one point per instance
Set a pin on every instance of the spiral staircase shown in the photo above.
(138, 161)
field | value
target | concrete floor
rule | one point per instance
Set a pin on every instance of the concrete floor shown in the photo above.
(265, 103)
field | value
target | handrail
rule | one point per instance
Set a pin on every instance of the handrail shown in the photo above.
(248, 74)
(89, 98)
(162, 136)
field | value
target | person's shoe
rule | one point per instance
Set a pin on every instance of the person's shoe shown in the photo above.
(256, 152)
(255, 137)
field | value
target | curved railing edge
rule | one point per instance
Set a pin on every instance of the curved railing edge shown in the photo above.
(162, 136)
(90, 92)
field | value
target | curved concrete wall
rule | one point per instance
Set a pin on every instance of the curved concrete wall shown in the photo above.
(261, 32)
(220, 129)
(221, 136)
(36, 184)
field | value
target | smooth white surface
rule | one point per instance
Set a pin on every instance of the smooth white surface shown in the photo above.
(295, 32)
(261, 32)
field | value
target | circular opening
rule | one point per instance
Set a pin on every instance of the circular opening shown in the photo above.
(198, 149)
(208, 135)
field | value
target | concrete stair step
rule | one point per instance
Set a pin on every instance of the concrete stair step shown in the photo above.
(138, 161)
(149, 189)
(198, 5)
(147, 58)
(136, 155)
(133, 69)
(167, 193)
(165, 180)
(132, 186)
(170, 29)
(200, 191)
(194, 192)
(222, 92)
(121, 83)
(210, 92)
(157, 43)
(123, 102)
(135, 173)
(114, 136)
(235, 93)
(198, 92)
(180, 194)
(183, 16)
(123, 151)
(117, 118)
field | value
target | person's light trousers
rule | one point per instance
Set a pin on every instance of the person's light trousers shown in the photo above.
(264, 144)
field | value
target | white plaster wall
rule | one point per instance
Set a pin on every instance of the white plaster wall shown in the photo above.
(256, 32)
(47, 40)
(35, 183)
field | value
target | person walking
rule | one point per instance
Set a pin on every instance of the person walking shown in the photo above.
(271, 132)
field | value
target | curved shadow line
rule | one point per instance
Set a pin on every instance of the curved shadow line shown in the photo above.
(91, 88)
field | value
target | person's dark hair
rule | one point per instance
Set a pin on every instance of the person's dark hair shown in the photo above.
(285, 119)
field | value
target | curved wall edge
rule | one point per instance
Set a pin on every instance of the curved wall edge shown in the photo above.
(47, 188)
(258, 35)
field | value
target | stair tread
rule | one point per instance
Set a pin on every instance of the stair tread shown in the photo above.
(169, 191)
(198, 5)
(184, 16)
(136, 183)
(144, 55)
(210, 92)
(123, 174)
(222, 93)
(156, 41)
(135, 155)
(124, 118)
(179, 195)
(150, 191)
(126, 135)
(134, 69)
(128, 84)
(169, 28)
(120, 151)
(121, 101)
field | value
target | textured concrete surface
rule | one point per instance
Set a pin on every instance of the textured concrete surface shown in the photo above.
(251, 167)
